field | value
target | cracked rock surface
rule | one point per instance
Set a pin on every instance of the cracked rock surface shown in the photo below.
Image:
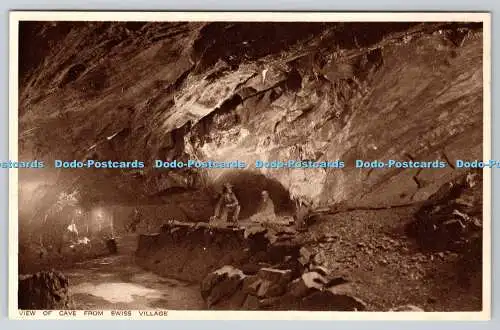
(225, 91)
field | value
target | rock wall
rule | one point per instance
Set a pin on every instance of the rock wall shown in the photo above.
(224, 91)
(190, 251)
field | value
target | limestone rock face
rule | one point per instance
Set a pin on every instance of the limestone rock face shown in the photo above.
(266, 91)
(43, 290)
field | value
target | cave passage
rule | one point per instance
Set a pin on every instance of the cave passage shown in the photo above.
(248, 186)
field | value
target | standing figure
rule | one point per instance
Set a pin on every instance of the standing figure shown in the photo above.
(227, 203)
(265, 213)
(132, 227)
(302, 210)
(72, 232)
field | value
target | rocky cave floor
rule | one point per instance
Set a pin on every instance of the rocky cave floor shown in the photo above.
(367, 249)
(353, 260)
(387, 269)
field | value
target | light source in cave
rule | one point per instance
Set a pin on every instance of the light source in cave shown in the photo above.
(101, 221)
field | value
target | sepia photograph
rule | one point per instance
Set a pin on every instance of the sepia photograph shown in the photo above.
(256, 163)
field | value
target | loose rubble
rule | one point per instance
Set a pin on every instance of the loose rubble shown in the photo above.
(452, 218)
(291, 276)
(44, 290)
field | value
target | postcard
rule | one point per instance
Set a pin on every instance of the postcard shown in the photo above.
(250, 165)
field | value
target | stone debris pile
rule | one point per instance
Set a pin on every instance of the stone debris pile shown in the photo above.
(280, 275)
(451, 219)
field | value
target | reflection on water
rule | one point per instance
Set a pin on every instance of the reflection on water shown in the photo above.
(116, 292)
(118, 283)
(152, 278)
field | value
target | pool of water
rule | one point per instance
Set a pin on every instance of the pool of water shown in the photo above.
(118, 283)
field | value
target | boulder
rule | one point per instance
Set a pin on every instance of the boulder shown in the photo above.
(251, 303)
(276, 290)
(335, 299)
(308, 282)
(251, 284)
(309, 293)
(323, 271)
(279, 251)
(293, 265)
(268, 289)
(264, 288)
(273, 303)
(275, 275)
(334, 281)
(44, 290)
(234, 302)
(251, 268)
(221, 284)
(328, 276)
(268, 282)
(305, 256)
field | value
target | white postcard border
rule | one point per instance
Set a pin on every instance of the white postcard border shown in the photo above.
(16, 16)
